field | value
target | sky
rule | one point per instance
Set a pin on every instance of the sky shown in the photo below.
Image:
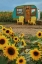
(9, 5)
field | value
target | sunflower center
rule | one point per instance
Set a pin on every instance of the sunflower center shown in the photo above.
(36, 53)
(2, 41)
(15, 38)
(12, 35)
(20, 60)
(21, 34)
(39, 34)
(7, 31)
(11, 51)
(3, 28)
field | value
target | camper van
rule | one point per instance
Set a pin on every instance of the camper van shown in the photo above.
(27, 11)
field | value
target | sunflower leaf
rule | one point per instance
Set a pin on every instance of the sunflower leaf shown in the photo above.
(3, 60)
(12, 62)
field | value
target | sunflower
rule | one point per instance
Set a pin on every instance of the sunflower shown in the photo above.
(39, 34)
(16, 39)
(10, 28)
(35, 54)
(11, 52)
(3, 30)
(23, 42)
(11, 33)
(39, 44)
(21, 60)
(7, 32)
(3, 41)
(22, 35)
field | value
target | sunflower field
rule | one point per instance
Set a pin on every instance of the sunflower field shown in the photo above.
(6, 17)
(17, 49)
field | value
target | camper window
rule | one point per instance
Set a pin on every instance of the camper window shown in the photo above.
(19, 11)
(33, 12)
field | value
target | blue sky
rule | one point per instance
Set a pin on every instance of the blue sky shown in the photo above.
(8, 5)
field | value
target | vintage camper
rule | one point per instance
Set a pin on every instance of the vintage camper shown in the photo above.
(27, 11)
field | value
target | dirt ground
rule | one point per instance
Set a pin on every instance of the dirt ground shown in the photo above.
(26, 29)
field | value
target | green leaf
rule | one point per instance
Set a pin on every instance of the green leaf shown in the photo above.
(12, 62)
(3, 60)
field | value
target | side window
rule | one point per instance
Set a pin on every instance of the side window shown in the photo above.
(33, 12)
(19, 11)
